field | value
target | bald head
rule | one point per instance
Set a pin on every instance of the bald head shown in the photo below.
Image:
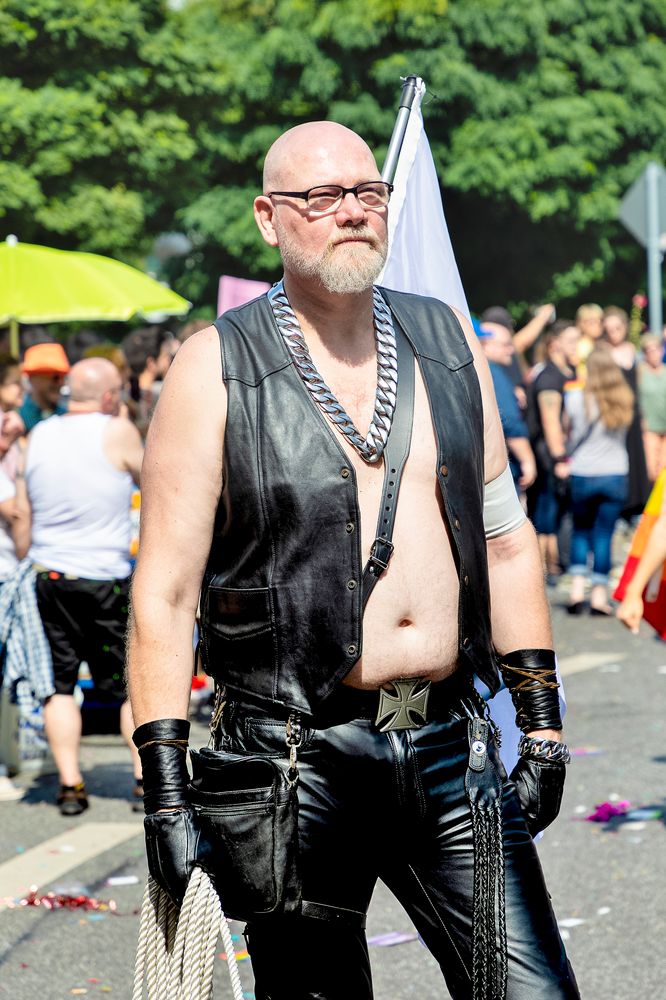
(312, 154)
(91, 380)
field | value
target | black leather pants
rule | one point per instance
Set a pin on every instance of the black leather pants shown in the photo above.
(393, 806)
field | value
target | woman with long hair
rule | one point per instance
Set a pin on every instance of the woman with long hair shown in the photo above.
(623, 352)
(599, 415)
(652, 394)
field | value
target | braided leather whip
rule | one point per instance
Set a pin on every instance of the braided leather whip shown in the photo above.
(372, 446)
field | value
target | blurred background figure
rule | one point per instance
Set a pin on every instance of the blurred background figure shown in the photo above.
(498, 346)
(630, 611)
(79, 343)
(495, 318)
(114, 354)
(191, 327)
(149, 352)
(45, 366)
(549, 497)
(615, 326)
(589, 320)
(623, 352)
(652, 397)
(12, 427)
(599, 414)
(73, 512)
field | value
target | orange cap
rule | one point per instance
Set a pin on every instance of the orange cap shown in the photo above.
(46, 359)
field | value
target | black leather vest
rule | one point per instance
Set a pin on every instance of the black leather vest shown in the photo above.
(280, 622)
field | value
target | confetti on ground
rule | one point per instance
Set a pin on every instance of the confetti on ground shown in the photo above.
(603, 910)
(391, 938)
(607, 810)
(586, 751)
(63, 901)
(571, 922)
(644, 814)
(122, 880)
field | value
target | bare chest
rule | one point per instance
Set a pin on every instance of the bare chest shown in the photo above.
(419, 476)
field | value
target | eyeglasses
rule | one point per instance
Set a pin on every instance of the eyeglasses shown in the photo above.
(328, 197)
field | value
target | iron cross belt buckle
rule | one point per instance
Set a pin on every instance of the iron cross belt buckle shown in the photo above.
(401, 708)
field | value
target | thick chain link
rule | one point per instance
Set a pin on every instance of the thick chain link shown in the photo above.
(372, 446)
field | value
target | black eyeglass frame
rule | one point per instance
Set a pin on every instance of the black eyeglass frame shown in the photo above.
(304, 195)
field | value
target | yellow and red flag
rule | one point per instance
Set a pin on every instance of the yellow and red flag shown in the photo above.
(654, 596)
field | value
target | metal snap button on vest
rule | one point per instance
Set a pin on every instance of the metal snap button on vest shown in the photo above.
(466, 580)
(456, 524)
(349, 527)
(444, 469)
(344, 472)
(465, 642)
(351, 649)
(351, 584)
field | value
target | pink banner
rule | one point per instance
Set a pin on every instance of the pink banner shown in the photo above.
(233, 292)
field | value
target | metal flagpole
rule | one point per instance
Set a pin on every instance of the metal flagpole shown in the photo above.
(409, 91)
(655, 226)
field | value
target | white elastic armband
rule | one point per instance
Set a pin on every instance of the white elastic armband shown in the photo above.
(502, 512)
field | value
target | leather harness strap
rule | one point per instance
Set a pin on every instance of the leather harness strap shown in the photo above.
(396, 453)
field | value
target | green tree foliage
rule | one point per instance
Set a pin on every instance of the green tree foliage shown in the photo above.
(120, 119)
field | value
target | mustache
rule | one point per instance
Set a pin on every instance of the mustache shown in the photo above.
(360, 234)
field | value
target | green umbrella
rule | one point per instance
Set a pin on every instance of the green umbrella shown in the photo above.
(45, 285)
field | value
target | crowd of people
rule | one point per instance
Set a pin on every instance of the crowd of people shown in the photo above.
(583, 415)
(583, 411)
(73, 422)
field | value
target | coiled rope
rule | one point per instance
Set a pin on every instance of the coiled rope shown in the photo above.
(175, 955)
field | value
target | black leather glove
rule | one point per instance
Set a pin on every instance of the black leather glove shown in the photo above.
(171, 836)
(539, 784)
(530, 675)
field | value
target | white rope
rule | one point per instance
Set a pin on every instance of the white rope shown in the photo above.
(175, 957)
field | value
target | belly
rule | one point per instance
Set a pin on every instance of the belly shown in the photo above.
(410, 626)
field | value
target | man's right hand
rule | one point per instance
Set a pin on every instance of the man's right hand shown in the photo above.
(172, 839)
(172, 833)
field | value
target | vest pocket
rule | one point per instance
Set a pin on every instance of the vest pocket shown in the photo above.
(238, 638)
(239, 614)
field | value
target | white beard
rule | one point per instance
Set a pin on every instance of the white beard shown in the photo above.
(343, 270)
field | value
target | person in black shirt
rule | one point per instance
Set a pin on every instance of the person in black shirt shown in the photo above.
(547, 498)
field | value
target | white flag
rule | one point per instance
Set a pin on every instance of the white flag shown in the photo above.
(420, 257)
(421, 260)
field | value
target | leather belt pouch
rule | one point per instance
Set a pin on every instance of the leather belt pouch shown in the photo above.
(247, 814)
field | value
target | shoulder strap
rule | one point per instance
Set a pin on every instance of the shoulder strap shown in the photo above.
(583, 439)
(395, 456)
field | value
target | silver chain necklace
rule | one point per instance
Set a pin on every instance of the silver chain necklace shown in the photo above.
(372, 446)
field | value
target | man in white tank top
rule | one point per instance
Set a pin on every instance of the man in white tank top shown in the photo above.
(81, 468)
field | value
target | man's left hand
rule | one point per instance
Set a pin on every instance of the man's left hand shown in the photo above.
(539, 784)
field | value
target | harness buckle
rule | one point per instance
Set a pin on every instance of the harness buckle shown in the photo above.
(380, 555)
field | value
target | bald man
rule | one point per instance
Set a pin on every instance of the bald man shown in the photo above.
(73, 509)
(345, 579)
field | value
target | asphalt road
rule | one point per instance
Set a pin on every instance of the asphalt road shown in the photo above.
(607, 880)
